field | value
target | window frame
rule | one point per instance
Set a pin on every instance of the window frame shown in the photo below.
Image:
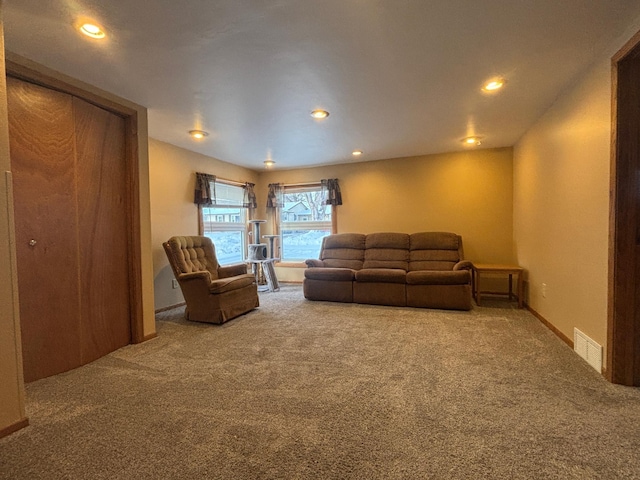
(228, 226)
(308, 225)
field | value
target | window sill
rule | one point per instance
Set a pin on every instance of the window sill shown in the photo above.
(291, 264)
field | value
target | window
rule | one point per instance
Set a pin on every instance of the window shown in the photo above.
(305, 220)
(225, 222)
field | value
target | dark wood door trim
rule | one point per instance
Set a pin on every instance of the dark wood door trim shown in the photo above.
(15, 68)
(623, 332)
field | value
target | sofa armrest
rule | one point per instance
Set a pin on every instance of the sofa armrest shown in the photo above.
(314, 263)
(463, 265)
(232, 270)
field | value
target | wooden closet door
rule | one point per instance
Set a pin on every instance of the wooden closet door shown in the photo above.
(71, 198)
(41, 133)
(102, 230)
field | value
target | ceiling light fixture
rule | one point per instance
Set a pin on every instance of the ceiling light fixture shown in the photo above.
(472, 141)
(494, 84)
(92, 30)
(198, 134)
(269, 163)
(319, 114)
(356, 153)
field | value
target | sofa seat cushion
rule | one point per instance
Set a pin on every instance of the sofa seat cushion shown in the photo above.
(223, 285)
(381, 275)
(448, 277)
(327, 273)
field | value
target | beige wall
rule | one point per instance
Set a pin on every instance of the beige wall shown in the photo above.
(173, 212)
(561, 206)
(561, 203)
(469, 193)
(11, 386)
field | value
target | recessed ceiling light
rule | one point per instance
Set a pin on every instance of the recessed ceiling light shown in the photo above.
(269, 163)
(472, 141)
(92, 30)
(494, 84)
(356, 153)
(198, 134)
(319, 114)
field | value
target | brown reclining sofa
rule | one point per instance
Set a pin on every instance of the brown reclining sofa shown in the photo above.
(416, 270)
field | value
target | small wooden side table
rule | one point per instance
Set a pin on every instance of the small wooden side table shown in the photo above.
(496, 269)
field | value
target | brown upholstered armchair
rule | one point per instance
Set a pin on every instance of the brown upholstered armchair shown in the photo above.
(213, 293)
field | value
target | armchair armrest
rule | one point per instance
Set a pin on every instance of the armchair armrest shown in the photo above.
(194, 285)
(314, 263)
(232, 270)
(187, 277)
(463, 265)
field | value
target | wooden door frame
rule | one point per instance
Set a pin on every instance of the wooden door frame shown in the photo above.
(16, 67)
(623, 329)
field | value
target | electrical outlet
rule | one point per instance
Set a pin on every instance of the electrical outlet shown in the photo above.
(544, 290)
(174, 283)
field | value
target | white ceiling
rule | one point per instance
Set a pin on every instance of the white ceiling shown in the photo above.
(399, 77)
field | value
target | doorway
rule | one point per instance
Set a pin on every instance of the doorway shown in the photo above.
(623, 338)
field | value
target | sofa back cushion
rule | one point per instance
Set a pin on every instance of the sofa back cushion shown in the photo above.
(434, 251)
(387, 250)
(343, 250)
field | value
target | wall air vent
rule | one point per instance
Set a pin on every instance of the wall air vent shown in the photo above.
(588, 349)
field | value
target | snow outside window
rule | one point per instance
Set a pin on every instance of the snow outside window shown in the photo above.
(225, 223)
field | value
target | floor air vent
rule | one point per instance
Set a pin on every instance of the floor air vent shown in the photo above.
(587, 349)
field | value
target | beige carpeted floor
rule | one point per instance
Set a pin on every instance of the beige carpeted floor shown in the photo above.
(315, 390)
